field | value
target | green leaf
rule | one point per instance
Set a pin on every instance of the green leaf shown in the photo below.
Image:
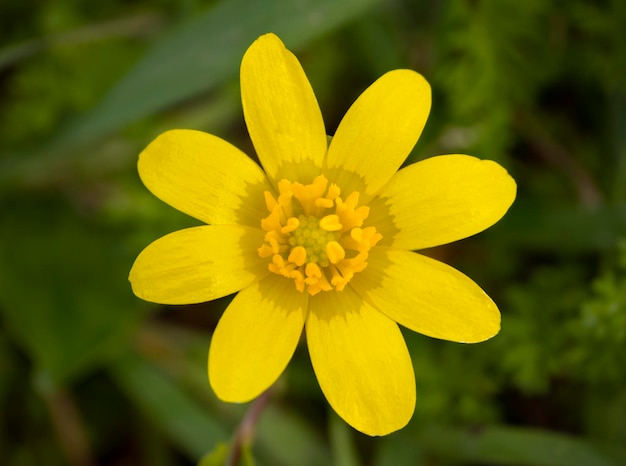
(342, 442)
(199, 54)
(181, 418)
(285, 439)
(64, 293)
(541, 227)
(400, 449)
(207, 50)
(500, 445)
(217, 457)
(247, 458)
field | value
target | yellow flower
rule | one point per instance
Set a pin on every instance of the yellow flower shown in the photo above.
(321, 238)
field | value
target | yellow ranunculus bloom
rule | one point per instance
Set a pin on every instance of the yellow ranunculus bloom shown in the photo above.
(321, 237)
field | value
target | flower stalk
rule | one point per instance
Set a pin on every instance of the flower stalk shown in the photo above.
(244, 435)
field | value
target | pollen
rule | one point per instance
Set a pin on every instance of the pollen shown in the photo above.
(315, 237)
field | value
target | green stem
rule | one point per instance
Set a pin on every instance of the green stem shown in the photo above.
(69, 427)
(245, 432)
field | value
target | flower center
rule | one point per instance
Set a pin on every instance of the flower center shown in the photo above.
(314, 236)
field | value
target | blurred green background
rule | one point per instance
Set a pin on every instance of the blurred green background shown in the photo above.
(90, 375)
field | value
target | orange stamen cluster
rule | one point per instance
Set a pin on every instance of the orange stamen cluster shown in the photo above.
(314, 236)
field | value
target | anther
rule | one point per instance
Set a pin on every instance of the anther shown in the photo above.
(297, 256)
(330, 223)
(335, 252)
(292, 224)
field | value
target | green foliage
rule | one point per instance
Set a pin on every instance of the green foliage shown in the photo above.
(180, 417)
(500, 445)
(52, 266)
(601, 326)
(493, 62)
(217, 457)
(88, 373)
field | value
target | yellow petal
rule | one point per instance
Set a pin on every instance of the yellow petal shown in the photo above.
(379, 130)
(427, 296)
(281, 112)
(205, 177)
(198, 264)
(446, 198)
(361, 362)
(255, 338)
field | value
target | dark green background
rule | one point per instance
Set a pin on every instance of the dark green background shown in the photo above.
(91, 375)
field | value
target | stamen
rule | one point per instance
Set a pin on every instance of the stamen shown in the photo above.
(320, 250)
(324, 203)
(270, 202)
(265, 250)
(292, 224)
(331, 223)
(298, 256)
(335, 252)
(313, 270)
